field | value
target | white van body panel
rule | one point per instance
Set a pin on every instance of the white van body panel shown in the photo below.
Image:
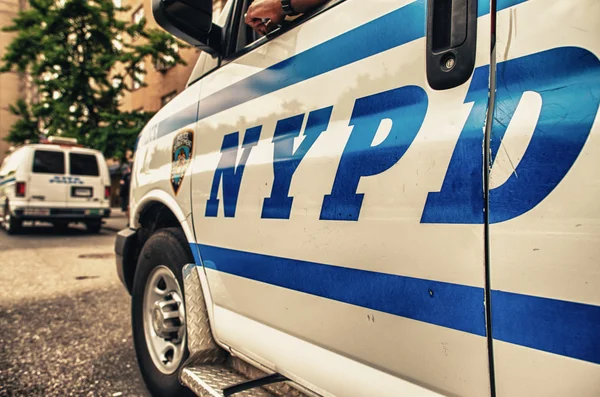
(388, 296)
(552, 252)
(41, 190)
(11, 171)
(97, 200)
(443, 359)
(151, 176)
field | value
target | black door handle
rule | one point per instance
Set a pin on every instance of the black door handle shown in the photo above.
(451, 42)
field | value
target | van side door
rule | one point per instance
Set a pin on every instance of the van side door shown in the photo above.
(87, 179)
(332, 252)
(48, 184)
(544, 200)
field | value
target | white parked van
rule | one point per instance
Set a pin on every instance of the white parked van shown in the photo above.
(379, 198)
(57, 182)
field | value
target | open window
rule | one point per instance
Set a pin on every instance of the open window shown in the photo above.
(243, 37)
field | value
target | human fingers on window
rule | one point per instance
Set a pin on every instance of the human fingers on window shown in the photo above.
(257, 25)
(266, 9)
(270, 26)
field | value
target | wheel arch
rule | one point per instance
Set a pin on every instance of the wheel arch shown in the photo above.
(156, 210)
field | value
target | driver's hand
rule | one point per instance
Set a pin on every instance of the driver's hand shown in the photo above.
(265, 15)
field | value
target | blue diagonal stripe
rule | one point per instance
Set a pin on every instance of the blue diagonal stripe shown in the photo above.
(392, 30)
(565, 328)
(448, 305)
(7, 181)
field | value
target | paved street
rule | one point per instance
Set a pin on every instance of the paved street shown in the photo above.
(65, 316)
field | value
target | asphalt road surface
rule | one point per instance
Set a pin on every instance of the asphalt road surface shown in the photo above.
(65, 317)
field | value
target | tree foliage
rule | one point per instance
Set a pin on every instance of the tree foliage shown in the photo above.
(82, 58)
(26, 126)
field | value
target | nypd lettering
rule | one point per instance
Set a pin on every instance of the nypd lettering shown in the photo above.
(286, 160)
(71, 180)
(229, 173)
(567, 85)
(405, 107)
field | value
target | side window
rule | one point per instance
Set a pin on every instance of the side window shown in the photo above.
(83, 164)
(48, 162)
(244, 35)
(240, 36)
(205, 62)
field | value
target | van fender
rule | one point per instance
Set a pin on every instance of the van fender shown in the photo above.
(168, 201)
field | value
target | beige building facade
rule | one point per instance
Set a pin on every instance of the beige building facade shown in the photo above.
(11, 84)
(162, 84)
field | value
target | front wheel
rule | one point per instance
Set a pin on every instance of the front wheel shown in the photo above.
(93, 227)
(158, 312)
(11, 224)
(60, 226)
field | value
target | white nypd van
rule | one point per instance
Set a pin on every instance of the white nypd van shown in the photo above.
(380, 198)
(57, 182)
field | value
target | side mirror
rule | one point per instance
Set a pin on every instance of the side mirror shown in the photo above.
(190, 21)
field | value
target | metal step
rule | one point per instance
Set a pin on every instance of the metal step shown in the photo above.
(210, 369)
(210, 380)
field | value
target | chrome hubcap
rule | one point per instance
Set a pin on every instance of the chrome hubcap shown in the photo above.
(168, 316)
(164, 319)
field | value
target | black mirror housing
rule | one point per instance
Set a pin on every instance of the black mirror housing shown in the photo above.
(190, 21)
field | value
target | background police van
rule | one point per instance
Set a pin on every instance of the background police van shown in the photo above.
(55, 182)
(381, 198)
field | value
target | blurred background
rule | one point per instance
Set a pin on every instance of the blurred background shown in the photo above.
(96, 71)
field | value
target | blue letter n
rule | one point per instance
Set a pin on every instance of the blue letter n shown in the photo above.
(230, 173)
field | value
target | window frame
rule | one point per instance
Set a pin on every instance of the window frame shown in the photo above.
(233, 55)
(231, 28)
(61, 152)
(133, 14)
(71, 154)
(143, 78)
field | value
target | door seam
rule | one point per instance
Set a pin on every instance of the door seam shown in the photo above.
(487, 166)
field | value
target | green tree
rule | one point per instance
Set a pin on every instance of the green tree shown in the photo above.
(26, 126)
(82, 58)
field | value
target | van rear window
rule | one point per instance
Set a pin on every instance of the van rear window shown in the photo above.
(84, 164)
(48, 162)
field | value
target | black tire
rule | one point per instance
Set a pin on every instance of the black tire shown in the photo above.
(11, 224)
(167, 247)
(93, 227)
(61, 226)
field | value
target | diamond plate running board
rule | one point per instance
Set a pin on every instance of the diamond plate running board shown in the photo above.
(200, 342)
(210, 380)
(210, 369)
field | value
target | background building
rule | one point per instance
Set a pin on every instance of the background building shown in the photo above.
(12, 85)
(163, 84)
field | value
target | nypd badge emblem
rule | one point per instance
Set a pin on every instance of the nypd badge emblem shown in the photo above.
(181, 158)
